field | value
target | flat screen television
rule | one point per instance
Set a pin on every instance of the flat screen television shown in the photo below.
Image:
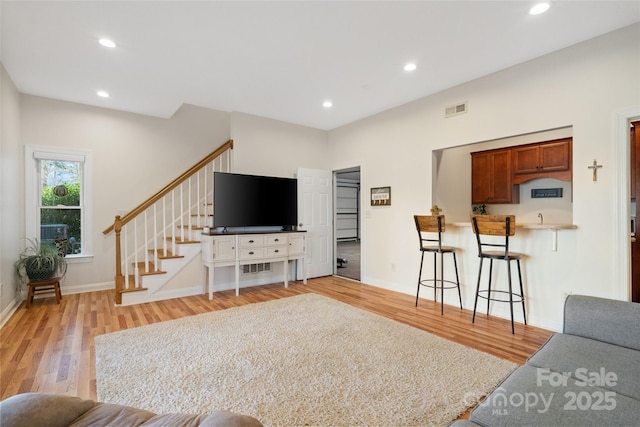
(254, 201)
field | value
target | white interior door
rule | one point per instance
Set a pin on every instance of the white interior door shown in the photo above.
(314, 217)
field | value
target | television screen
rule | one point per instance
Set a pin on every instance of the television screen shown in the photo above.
(254, 201)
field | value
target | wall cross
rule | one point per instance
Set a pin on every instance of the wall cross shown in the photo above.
(595, 166)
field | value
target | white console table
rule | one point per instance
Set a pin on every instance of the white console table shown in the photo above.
(237, 249)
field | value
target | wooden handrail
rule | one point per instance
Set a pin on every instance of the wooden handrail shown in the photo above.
(176, 182)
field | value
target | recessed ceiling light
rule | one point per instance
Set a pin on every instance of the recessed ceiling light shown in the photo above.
(327, 104)
(103, 94)
(539, 8)
(107, 43)
(410, 67)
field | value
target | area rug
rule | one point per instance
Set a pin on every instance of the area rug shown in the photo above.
(298, 361)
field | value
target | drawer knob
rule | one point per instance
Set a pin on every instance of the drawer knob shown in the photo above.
(277, 240)
(250, 253)
(277, 250)
(250, 241)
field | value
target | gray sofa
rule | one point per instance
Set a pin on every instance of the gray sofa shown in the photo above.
(52, 410)
(589, 375)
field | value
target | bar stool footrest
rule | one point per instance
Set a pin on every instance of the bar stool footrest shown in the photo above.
(519, 297)
(453, 285)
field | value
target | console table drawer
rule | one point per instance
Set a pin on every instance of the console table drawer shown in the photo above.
(276, 251)
(247, 254)
(275, 239)
(250, 241)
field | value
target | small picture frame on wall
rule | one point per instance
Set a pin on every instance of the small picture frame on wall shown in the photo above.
(381, 196)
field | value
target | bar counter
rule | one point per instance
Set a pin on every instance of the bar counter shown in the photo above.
(532, 226)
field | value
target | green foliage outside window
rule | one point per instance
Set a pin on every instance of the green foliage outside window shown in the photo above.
(71, 199)
(70, 217)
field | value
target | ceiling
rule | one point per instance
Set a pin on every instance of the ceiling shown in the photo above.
(281, 60)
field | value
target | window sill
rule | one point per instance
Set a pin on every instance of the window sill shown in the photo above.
(78, 259)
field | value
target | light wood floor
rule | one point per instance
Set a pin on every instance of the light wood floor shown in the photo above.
(50, 347)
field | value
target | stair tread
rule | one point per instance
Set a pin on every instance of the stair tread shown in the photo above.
(151, 273)
(193, 227)
(152, 269)
(162, 255)
(132, 285)
(180, 241)
(124, 291)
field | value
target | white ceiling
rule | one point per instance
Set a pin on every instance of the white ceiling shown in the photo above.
(281, 59)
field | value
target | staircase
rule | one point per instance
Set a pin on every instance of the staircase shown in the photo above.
(161, 236)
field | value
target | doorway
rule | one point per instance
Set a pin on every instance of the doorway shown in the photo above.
(634, 151)
(347, 222)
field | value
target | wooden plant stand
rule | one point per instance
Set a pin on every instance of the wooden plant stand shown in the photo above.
(50, 286)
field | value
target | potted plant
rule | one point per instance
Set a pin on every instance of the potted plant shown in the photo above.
(480, 209)
(40, 262)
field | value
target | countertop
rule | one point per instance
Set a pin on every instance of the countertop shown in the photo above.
(526, 225)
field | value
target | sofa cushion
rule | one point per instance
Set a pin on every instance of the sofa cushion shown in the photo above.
(170, 420)
(230, 419)
(217, 419)
(520, 401)
(108, 414)
(609, 366)
(615, 322)
(37, 409)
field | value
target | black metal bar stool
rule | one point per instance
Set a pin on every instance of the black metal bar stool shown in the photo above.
(427, 226)
(502, 226)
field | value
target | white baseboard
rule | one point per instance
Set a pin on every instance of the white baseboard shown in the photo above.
(90, 287)
(8, 312)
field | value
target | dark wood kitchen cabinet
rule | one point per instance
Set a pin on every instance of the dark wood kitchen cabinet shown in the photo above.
(491, 177)
(549, 159)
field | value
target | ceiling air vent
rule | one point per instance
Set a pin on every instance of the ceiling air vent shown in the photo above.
(455, 109)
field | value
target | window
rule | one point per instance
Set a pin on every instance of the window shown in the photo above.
(57, 199)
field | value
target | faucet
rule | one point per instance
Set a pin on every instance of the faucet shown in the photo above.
(541, 219)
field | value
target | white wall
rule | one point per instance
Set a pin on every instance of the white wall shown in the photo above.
(11, 191)
(582, 86)
(134, 157)
(273, 148)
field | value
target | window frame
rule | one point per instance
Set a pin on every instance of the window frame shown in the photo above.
(33, 154)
